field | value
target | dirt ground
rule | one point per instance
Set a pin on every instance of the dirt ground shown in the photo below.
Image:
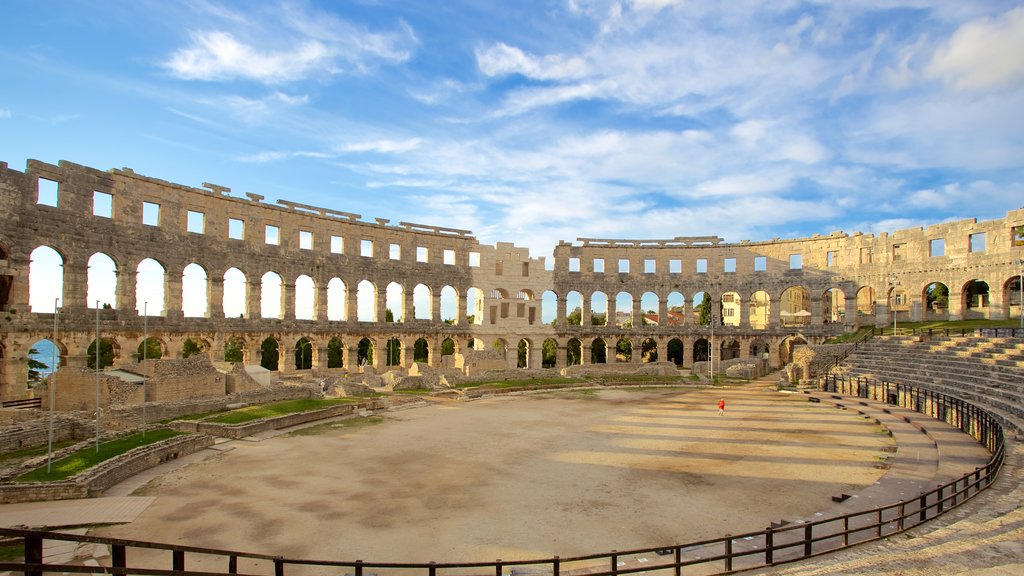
(564, 473)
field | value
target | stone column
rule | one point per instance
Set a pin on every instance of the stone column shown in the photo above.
(288, 300)
(408, 306)
(536, 355)
(320, 302)
(351, 305)
(562, 356)
(435, 306)
(215, 297)
(611, 310)
(560, 304)
(172, 293)
(125, 292)
(995, 303)
(320, 357)
(585, 352)
(637, 312)
(585, 308)
(662, 311)
(252, 299)
(687, 351)
(380, 305)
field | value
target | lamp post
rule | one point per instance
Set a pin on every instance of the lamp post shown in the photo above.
(893, 281)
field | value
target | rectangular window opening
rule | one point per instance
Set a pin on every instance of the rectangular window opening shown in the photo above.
(831, 258)
(675, 266)
(47, 192)
(150, 214)
(977, 242)
(366, 248)
(305, 240)
(236, 229)
(796, 261)
(102, 204)
(395, 251)
(937, 247)
(526, 269)
(574, 264)
(449, 257)
(337, 245)
(598, 265)
(760, 263)
(196, 222)
(650, 266)
(623, 266)
(474, 259)
(729, 265)
(422, 254)
(702, 266)
(272, 235)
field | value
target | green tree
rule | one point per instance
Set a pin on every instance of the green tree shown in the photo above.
(152, 348)
(522, 354)
(447, 347)
(268, 356)
(574, 352)
(389, 316)
(598, 319)
(471, 319)
(420, 351)
(189, 348)
(334, 354)
(549, 357)
(705, 311)
(106, 353)
(364, 353)
(35, 367)
(303, 354)
(233, 350)
(938, 296)
(624, 348)
(394, 352)
(574, 318)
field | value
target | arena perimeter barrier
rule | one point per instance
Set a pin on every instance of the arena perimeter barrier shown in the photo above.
(776, 544)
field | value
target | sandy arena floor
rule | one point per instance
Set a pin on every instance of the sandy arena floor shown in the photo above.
(565, 473)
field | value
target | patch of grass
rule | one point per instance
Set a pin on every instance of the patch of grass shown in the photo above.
(524, 383)
(196, 416)
(12, 552)
(250, 413)
(27, 453)
(642, 378)
(89, 457)
(416, 392)
(342, 424)
(849, 336)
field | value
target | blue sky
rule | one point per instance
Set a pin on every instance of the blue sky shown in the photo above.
(535, 122)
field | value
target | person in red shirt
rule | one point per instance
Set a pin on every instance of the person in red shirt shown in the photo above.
(721, 406)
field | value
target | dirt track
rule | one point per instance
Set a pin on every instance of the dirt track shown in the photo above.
(521, 477)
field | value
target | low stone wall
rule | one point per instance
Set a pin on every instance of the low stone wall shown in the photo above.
(620, 369)
(35, 433)
(107, 474)
(237, 431)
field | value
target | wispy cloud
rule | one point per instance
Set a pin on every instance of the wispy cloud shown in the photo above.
(983, 54)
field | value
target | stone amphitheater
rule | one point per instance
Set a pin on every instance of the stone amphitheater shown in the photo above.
(438, 307)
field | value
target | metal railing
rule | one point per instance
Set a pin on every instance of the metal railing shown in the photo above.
(773, 545)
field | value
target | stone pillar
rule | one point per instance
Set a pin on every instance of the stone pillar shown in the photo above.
(252, 299)
(585, 352)
(350, 354)
(687, 351)
(562, 356)
(995, 303)
(76, 286)
(536, 355)
(172, 294)
(611, 311)
(351, 306)
(560, 304)
(817, 312)
(320, 302)
(380, 305)
(408, 306)
(320, 357)
(215, 297)
(435, 306)
(288, 300)
(850, 312)
(585, 306)
(460, 310)
(125, 291)
(638, 313)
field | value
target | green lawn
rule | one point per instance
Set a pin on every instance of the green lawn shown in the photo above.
(524, 383)
(89, 457)
(251, 413)
(27, 453)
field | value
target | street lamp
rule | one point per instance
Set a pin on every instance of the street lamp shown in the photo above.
(893, 280)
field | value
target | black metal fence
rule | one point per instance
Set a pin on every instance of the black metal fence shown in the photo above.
(773, 545)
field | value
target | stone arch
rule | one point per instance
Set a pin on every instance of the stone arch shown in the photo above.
(393, 352)
(474, 305)
(899, 302)
(1012, 297)
(449, 305)
(364, 352)
(866, 302)
(598, 351)
(974, 299)
(150, 288)
(192, 346)
(271, 295)
(152, 348)
(45, 356)
(731, 306)
(109, 351)
(335, 353)
(599, 309)
(833, 306)
(422, 302)
(675, 352)
(236, 294)
(574, 352)
(623, 350)
(366, 301)
(235, 349)
(305, 298)
(394, 302)
(786, 347)
(336, 300)
(524, 294)
(303, 354)
(729, 349)
(759, 347)
(935, 296)
(548, 307)
(45, 279)
(649, 310)
(449, 346)
(649, 350)
(573, 308)
(701, 307)
(701, 350)
(523, 353)
(6, 280)
(676, 305)
(270, 352)
(195, 292)
(421, 350)
(549, 357)
(101, 282)
(795, 306)
(759, 310)
(623, 311)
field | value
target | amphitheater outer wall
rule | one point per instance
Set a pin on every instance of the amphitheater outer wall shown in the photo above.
(771, 294)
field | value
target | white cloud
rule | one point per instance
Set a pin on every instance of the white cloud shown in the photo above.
(217, 55)
(384, 146)
(502, 59)
(983, 54)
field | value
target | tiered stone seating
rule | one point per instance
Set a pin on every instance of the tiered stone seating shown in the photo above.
(985, 371)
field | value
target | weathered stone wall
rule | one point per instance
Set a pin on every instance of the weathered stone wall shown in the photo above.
(815, 287)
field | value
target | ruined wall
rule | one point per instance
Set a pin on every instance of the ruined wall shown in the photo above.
(843, 280)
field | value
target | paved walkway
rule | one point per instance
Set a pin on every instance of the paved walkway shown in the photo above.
(63, 513)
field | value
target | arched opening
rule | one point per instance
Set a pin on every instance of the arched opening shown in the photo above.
(866, 302)
(787, 346)
(701, 350)
(269, 354)
(573, 308)
(6, 281)
(335, 353)
(675, 352)
(649, 350)
(394, 303)
(270, 296)
(474, 306)
(623, 350)
(422, 303)
(598, 351)
(729, 350)
(235, 294)
(366, 301)
(833, 303)
(393, 352)
(701, 309)
(548, 307)
(1012, 298)
(550, 353)
(150, 290)
(795, 307)
(523, 354)
(45, 280)
(194, 292)
(305, 298)
(336, 309)
(676, 309)
(303, 354)
(44, 357)
(500, 346)
(190, 347)
(150, 348)
(758, 348)
(364, 352)
(234, 349)
(448, 347)
(760, 310)
(975, 299)
(624, 310)
(574, 352)
(421, 351)
(936, 299)
(102, 282)
(598, 309)
(108, 352)
(649, 310)
(449, 305)
(731, 309)
(475, 344)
